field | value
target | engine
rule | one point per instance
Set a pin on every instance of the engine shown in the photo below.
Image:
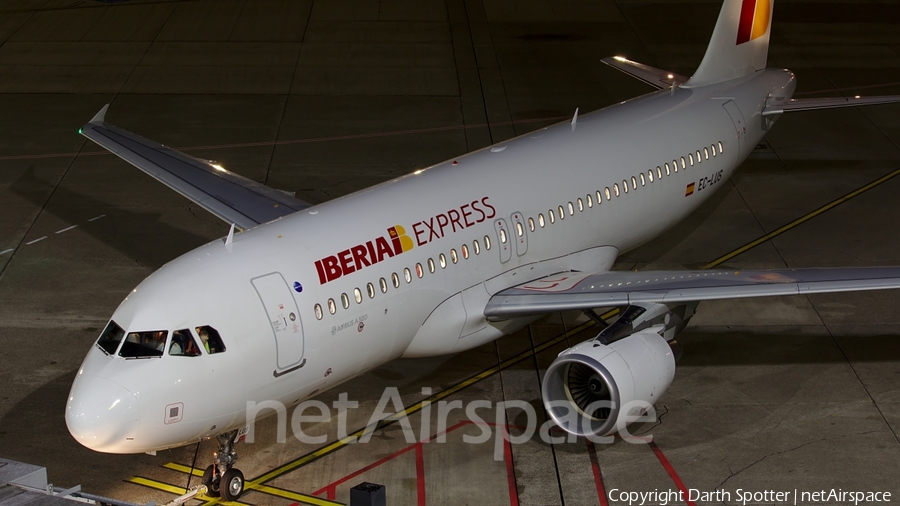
(597, 389)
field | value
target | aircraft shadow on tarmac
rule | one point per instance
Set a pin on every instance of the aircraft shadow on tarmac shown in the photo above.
(140, 236)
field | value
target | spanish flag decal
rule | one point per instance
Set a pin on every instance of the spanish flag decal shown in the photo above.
(689, 190)
(754, 20)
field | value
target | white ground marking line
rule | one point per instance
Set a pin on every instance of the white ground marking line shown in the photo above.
(65, 229)
(97, 217)
(6, 251)
(36, 240)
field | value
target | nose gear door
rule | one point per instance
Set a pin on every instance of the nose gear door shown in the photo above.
(284, 319)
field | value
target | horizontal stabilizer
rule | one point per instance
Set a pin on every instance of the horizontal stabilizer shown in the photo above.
(579, 290)
(653, 76)
(231, 197)
(809, 104)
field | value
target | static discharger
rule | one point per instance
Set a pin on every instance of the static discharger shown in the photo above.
(574, 119)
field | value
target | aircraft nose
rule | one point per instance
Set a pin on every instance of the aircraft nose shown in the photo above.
(102, 415)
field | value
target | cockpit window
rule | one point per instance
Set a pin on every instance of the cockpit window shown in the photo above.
(144, 344)
(211, 340)
(110, 338)
(183, 344)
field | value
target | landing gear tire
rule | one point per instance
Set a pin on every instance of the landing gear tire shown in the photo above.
(232, 484)
(211, 481)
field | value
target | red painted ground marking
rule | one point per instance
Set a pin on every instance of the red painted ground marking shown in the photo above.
(671, 470)
(420, 474)
(331, 488)
(510, 469)
(598, 478)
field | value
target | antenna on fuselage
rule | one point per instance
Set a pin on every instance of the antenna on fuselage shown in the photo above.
(574, 119)
(230, 239)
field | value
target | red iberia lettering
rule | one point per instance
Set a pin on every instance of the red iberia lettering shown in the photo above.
(363, 255)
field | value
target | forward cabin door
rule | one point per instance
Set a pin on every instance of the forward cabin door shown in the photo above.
(284, 319)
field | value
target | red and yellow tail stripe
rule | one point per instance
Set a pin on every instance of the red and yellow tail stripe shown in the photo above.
(754, 21)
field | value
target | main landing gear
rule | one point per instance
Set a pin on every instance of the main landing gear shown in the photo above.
(220, 478)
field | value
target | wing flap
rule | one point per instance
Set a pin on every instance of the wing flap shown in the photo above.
(231, 197)
(586, 291)
(810, 104)
(653, 76)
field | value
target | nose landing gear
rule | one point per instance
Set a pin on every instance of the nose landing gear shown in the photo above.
(221, 477)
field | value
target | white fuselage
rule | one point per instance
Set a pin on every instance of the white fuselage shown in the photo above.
(249, 291)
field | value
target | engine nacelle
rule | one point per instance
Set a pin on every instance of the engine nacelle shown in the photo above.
(588, 385)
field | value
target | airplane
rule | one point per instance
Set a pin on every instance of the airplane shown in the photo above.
(299, 298)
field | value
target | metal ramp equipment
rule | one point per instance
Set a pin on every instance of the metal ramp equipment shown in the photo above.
(26, 485)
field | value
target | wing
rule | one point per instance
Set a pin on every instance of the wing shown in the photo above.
(809, 104)
(231, 197)
(577, 290)
(653, 76)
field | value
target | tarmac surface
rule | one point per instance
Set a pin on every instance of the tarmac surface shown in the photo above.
(326, 98)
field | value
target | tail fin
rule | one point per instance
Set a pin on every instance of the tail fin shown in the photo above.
(739, 44)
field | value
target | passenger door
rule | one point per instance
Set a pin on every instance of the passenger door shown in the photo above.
(284, 319)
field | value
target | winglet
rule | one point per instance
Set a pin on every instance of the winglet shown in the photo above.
(229, 241)
(99, 118)
(574, 119)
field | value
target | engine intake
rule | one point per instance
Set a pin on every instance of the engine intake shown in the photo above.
(587, 386)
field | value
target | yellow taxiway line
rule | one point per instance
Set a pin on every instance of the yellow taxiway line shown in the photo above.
(800, 220)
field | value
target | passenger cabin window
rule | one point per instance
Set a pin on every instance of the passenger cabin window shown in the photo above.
(395, 279)
(658, 172)
(477, 247)
(675, 165)
(370, 290)
(382, 283)
(605, 192)
(649, 175)
(431, 266)
(184, 345)
(698, 155)
(562, 213)
(319, 313)
(633, 183)
(571, 209)
(682, 163)
(590, 200)
(332, 308)
(691, 158)
(705, 154)
(720, 147)
(454, 257)
(212, 341)
(443, 260)
(144, 344)
(357, 295)
(519, 230)
(580, 204)
(110, 338)
(541, 220)
(616, 189)
(407, 275)
(552, 216)
(465, 251)
(530, 228)
(419, 270)
(487, 243)
(668, 172)
(345, 300)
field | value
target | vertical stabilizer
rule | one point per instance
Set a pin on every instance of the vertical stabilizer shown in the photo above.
(739, 43)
